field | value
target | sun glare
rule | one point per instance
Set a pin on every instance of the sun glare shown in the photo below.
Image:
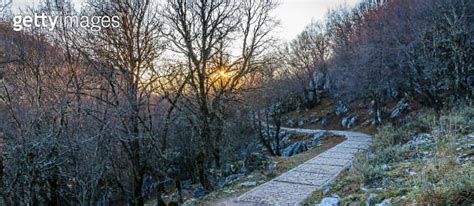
(222, 73)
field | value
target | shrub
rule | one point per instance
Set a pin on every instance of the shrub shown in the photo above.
(388, 136)
(364, 171)
(455, 187)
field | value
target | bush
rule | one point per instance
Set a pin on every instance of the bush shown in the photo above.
(388, 136)
(447, 185)
(364, 170)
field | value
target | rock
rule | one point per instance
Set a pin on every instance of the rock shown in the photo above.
(273, 165)
(229, 191)
(324, 122)
(243, 170)
(317, 136)
(367, 122)
(401, 106)
(471, 146)
(341, 108)
(190, 202)
(326, 189)
(186, 184)
(363, 189)
(313, 119)
(229, 169)
(319, 81)
(198, 192)
(290, 123)
(344, 121)
(284, 140)
(274, 145)
(470, 80)
(330, 201)
(392, 92)
(348, 122)
(465, 157)
(316, 139)
(301, 122)
(353, 121)
(385, 202)
(384, 167)
(469, 120)
(419, 139)
(370, 200)
(295, 148)
(248, 184)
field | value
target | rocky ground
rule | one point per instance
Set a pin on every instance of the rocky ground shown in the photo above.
(428, 161)
(417, 158)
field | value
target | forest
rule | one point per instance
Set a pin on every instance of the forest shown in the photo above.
(192, 92)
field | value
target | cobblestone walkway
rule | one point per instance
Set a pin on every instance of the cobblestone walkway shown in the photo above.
(292, 187)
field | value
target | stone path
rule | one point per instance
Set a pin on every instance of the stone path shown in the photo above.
(294, 186)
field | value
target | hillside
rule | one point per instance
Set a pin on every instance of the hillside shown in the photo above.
(195, 102)
(430, 160)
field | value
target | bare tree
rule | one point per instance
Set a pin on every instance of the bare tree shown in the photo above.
(205, 32)
(307, 57)
(125, 58)
(5, 9)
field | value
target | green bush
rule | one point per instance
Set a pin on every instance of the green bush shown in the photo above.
(365, 171)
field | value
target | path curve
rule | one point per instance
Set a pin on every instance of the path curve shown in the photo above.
(294, 186)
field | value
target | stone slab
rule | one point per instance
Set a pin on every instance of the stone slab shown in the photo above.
(304, 178)
(315, 168)
(278, 193)
(337, 155)
(356, 142)
(354, 145)
(328, 161)
(365, 141)
(346, 150)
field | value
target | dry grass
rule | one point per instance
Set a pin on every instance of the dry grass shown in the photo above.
(429, 173)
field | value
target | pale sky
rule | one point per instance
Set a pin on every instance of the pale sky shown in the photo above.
(294, 15)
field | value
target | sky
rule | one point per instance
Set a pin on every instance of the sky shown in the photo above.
(294, 15)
